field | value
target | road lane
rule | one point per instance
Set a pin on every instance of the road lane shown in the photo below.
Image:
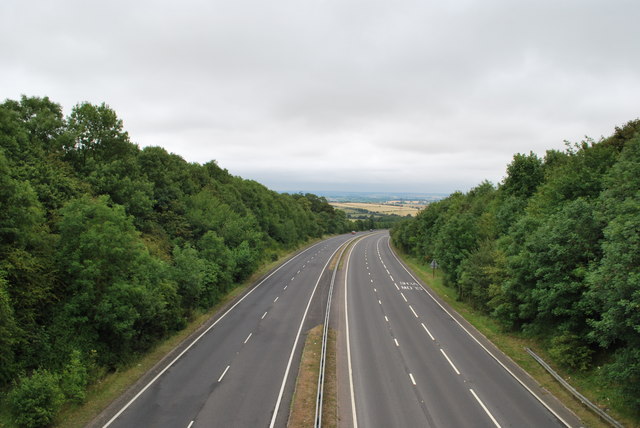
(233, 374)
(412, 364)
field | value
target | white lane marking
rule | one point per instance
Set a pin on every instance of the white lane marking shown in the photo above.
(450, 362)
(396, 286)
(298, 271)
(184, 351)
(396, 340)
(379, 301)
(405, 299)
(263, 315)
(285, 287)
(276, 299)
(372, 280)
(428, 332)
(414, 312)
(374, 290)
(391, 278)
(190, 424)
(387, 271)
(475, 339)
(247, 339)
(485, 408)
(223, 373)
(295, 343)
(413, 381)
(292, 278)
(386, 319)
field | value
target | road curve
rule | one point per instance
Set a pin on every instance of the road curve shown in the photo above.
(239, 372)
(410, 363)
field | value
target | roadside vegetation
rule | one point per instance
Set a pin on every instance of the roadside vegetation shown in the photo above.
(106, 248)
(552, 254)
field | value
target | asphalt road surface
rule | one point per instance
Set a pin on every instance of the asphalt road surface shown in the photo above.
(241, 372)
(412, 364)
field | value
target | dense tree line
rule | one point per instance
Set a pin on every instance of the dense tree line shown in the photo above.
(553, 251)
(106, 248)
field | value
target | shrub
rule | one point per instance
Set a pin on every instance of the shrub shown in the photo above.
(74, 379)
(570, 352)
(35, 400)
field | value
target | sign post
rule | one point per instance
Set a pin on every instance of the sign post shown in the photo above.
(434, 266)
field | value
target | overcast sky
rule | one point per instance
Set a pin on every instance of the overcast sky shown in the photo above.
(421, 96)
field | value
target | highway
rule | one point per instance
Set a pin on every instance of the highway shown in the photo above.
(410, 363)
(241, 371)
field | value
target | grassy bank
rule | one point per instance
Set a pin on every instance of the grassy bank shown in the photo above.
(512, 344)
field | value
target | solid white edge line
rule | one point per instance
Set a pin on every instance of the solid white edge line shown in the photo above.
(346, 315)
(450, 362)
(553, 412)
(223, 373)
(485, 408)
(184, 351)
(295, 343)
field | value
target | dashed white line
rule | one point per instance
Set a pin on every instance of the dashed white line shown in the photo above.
(372, 281)
(405, 299)
(413, 381)
(391, 278)
(263, 315)
(276, 299)
(396, 340)
(379, 301)
(285, 287)
(428, 332)
(223, 373)
(485, 408)
(374, 290)
(396, 286)
(450, 362)
(386, 319)
(247, 339)
(190, 424)
(414, 312)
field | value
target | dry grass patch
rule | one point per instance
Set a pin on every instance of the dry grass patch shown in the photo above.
(303, 406)
(387, 209)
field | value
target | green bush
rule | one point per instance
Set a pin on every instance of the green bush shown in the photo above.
(35, 400)
(74, 379)
(570, 352)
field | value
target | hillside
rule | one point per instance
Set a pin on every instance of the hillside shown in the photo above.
(105, 248)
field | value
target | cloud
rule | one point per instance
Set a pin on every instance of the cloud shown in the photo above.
(408, 94)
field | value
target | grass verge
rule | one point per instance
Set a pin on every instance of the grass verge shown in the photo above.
(112, 385)
(512, 344)
(303, 405)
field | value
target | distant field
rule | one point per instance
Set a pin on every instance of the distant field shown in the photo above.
(353, 207)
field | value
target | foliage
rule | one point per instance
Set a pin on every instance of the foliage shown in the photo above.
(35, 400)
(105, 248)
(554, 251)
